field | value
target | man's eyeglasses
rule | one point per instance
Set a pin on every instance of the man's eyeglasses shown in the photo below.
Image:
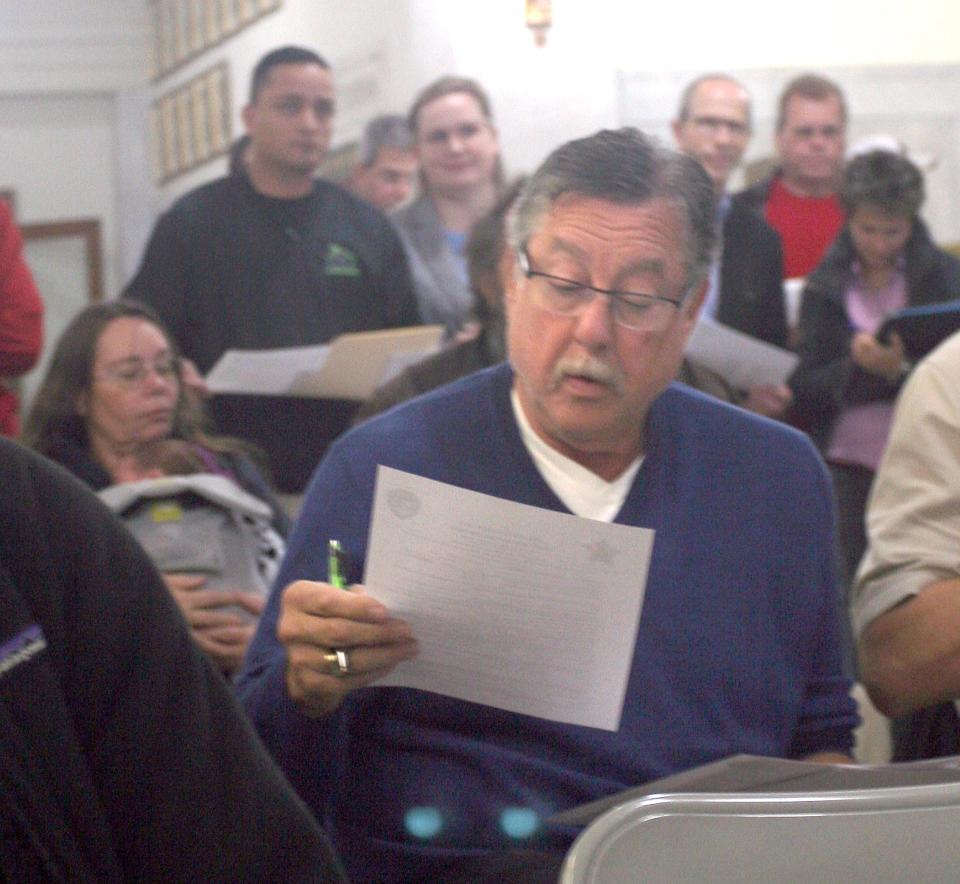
(567, 297)
(133, 372)
(713, 125)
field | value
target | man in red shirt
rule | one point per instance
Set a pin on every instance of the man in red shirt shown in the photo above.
(21, 319)
(800, 199)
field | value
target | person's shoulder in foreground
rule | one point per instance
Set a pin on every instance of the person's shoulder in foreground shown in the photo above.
(125, 754)
(906, 589)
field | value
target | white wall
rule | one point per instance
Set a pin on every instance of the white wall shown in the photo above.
(65, 67)
(544, 96)
(383, 51)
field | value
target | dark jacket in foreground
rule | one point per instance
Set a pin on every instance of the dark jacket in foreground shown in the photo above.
(123, 755)
(827, 379)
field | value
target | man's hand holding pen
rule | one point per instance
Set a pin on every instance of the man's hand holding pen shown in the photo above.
(316, 621)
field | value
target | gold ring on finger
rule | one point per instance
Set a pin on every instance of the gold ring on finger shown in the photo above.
(338, 661)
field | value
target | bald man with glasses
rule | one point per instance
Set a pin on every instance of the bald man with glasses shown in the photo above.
(744, 291)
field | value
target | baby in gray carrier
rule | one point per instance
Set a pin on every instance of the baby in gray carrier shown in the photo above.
(194, 522)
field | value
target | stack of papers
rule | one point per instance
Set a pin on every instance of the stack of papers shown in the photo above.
(352, 366)
(742, 361)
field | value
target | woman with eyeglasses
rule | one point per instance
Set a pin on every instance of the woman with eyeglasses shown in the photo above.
(112, 409)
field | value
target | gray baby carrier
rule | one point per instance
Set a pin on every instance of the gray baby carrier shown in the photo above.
(201, 524)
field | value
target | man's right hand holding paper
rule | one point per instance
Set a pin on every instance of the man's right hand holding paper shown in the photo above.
(317, 620)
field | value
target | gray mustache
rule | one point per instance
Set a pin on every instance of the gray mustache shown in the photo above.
(592, 369)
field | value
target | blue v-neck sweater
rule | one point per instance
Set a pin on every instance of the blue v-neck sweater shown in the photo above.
(737, 648)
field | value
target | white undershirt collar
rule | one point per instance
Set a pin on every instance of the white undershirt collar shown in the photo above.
(582, 491)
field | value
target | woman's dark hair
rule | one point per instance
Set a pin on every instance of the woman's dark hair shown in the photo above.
(54, 416)
(884, 181)
(485, 247)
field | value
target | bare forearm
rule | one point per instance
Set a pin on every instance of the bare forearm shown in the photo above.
(910, 655)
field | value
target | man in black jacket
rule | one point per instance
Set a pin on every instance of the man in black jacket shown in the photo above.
(123, 755)
(745, 292)
(269, 256)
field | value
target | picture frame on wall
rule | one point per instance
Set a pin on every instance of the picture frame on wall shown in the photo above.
(191, 124)
(181, 16)
(156, 143)
(228, 17)
(168, 137)
(181, 103)
(218, 90)
(246, 12)
(198, 36)
(201, 122)
(156, 62)
(211, 21)
(168, 14)
(182, 30)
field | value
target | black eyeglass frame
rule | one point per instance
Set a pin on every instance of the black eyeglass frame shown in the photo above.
(523, 259)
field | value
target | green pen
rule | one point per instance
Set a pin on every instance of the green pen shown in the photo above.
(336, 564)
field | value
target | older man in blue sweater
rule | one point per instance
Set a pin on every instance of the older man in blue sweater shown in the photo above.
(737, 648)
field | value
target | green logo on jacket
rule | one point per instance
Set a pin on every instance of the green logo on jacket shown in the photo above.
(340, 261)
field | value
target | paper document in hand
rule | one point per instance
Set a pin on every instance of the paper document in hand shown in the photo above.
(352, 366)
(265, 372)
(513, 606)
(739, 359)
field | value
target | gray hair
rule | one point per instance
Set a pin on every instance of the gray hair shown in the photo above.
(624, 166)
(686, 97)
(388, 130)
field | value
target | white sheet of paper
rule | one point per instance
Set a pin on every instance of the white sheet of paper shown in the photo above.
(399, 362)
(513, 606)
(741, 360)
(265, 372)
(352, 366)
(792, 298)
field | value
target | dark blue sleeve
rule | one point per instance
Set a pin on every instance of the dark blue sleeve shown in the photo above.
(828, 714)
